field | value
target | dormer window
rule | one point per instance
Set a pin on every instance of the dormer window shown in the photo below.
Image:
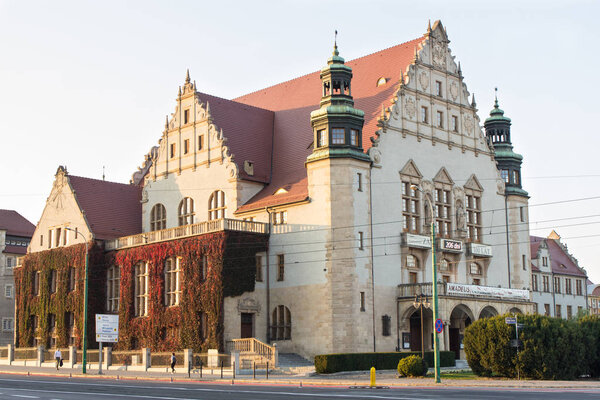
(381, 81)
(354, 137)
(321, 138)
(337, 136)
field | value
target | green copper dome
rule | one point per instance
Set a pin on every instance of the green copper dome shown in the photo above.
(497, 114)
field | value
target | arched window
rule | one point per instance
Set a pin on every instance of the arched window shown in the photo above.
(158, 217)
(281, 323)
(113, 278)
(475, 269)
(444, 265)
(172, 281)
(412, 261)
(186, 211)
(216, 205)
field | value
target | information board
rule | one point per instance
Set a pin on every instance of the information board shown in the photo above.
(107, 328)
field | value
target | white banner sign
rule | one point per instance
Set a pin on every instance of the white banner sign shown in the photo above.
(457, 289)
(420, 241)
(107, 328)
(482, 250)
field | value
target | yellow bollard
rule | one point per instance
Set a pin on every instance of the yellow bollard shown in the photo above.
(372, 377)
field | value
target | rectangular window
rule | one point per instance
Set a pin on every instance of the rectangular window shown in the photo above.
(53, 281)
(556, 284)
(386, 325)
(524, 257)
(477, 281)
(473, 216)
(50, 238)
(412, 277)
(440, 119)
(321, 138)
(186, 116)
(8, 324)
(353, 137)
(410, 208)
(443, 215)
(36, 283)
(204, 268)
(200, 142)
(141, 289)
(9, 262)
(578, 286)
(547, 310)
(454, 123)
(172, 281)
(113, 280)
(8, 291)
(338, 136)
(569, 312)
(534, 283)
(362, 301)
(280, 218)
(359, 182)
(546, 282)
(522, 213)
(65, 237)
(186, 146)
(172, 150)
(259, 274)
(424, 114)
(71, 286)
(57, 237)
(545, 261)
(568, 288)
(280, 267)
(438, 88)
(360, 241)
(558, 311)
(504, 175)
(41, 240)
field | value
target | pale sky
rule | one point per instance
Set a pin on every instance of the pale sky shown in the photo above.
(87, 84)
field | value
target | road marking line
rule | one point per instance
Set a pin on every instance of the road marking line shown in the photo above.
(25, 396)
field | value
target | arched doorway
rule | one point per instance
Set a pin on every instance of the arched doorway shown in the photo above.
(488, 312)
(460, 318)
(515, 310)
(415, 329)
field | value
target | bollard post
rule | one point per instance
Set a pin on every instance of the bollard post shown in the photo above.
(221, 369)
(233, 371)
(200, 369)
(372, 377)
(253, 369)
(267, 370)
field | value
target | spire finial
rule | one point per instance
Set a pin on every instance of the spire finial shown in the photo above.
(416, 54)
(179, 91)
(473, 103)
(401, 77)
(166, 122)
(496, 98)
(459, 69)
(429, 26)
(187, 76)
(335, 49)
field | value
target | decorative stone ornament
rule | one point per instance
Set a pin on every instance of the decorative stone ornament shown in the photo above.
(410, 107)
(248, 305)
(468, 122)
(453, 90)
(439, 55)
(424, 80)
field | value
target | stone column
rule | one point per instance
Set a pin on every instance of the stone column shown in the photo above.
(275, 356)
(146, 358)
(188, 359)
(73, 355)
(235, 361)
(11, 354)
(108, 356)
(40, 355)
(213, 358)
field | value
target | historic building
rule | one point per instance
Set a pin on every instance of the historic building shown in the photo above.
(15, 234)
(593, 296)
(299, 214)
(558, 284)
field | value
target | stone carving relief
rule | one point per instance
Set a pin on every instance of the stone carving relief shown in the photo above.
(424, 80)
(453, 90)
(248, 305)
(468, 123)
(461, 218)
(144, 196)
(375, 155)
(410, 107)
(439, 54)
(500, 186)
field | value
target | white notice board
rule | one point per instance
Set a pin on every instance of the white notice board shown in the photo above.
(107, 328)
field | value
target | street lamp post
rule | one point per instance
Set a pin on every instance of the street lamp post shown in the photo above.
(436, 342)
(85, 300)
(420, 302)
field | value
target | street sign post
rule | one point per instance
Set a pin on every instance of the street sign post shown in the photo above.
(439, 326)
(510, 320)
(107, 330)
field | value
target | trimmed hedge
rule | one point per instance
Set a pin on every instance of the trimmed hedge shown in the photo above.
(553, 348)
(412, 366)
(330, 363)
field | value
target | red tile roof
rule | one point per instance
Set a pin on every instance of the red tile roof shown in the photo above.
(111, 209)
(15, 249)
(15, 224)
(560, 261)
(292, 102)
(249, 134)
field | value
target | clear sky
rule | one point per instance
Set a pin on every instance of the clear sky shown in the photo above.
(87, 84)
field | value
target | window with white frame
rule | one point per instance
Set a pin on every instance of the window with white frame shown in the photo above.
(412, 261)
(410, 208)
(475, 268)
(10, 262)
(443, 219)
(158, 217)
(280, 218)
(141, 289)
(113, 282)
(473, 209)
(216, 205)
(8, 291)
(172, 281)
(8, 324)
(321, 138)
(186, 211)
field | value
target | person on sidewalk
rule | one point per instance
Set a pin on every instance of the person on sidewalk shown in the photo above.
(57, 357)
(173, 360)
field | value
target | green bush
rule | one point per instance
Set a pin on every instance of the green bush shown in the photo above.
(411, 366)
(553, 348)
(330, 363)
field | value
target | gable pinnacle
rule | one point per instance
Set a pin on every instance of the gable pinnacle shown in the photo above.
(179, 91)
(166, 122)
(473, 103)
(187, 76)
(416, 54)
(429, 26)
(459, 69)
(335, 48)
(496, 98)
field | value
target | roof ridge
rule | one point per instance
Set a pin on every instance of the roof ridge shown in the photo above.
(101, 180)
(234, 101)
(312, 72)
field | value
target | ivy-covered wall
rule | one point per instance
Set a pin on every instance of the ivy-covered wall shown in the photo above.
(231, 272)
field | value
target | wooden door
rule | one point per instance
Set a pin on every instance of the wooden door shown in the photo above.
(454, 338)
(415, 332)
(247, 330)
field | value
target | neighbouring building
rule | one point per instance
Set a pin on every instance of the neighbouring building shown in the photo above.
(15, 234)
(558, 283)
(298, 214)
(593, 295)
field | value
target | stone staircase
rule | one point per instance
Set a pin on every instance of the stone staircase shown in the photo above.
(291, 363)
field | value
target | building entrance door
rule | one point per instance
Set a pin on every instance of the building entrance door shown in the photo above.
(415, 331)
(454, 338)
(247, 328)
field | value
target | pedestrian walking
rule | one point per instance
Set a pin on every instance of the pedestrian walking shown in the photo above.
(173, 360)
(57, 357)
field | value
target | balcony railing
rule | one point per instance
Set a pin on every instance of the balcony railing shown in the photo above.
(461, 290)
(179, 232)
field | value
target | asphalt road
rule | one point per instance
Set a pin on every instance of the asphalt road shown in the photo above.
(50, 388)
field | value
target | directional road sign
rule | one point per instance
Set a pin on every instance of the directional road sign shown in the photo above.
(510, 320)
(107, 328)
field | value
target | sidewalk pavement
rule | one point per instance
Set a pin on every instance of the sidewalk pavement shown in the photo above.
(345, 379)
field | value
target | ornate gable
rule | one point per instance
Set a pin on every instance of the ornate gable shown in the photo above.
(410, 169)
(443, 177)
(473, 184)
